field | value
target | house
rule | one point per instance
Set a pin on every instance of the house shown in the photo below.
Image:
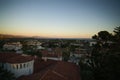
(12, 46)
(77, 54)
(53, 54)
(33, 43)
(18, 64)
(28, 68)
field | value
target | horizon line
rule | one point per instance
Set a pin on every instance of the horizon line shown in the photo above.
(45, 36)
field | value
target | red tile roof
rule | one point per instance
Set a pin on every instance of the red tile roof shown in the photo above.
(46, 53)
(57, 70)
(52, 75)
(43, 65)
(14, 58)
(67, 69)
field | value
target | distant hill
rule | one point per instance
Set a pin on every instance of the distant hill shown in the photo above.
(6, 36)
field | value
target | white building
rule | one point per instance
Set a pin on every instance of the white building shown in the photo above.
(92, 43)
(33, 43)
(17, 63)
(77, 55)
(40, 47)
(12, 46)
(52, 58)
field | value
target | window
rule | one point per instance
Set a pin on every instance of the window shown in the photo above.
(14, 66)
(27, 64)
(17, 66)
(24, 65)
(20, 66)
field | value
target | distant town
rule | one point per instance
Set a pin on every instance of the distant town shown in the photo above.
(29, 57)
(59, 59)
(59, 39)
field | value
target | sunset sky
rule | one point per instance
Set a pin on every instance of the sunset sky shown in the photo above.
(58, 18)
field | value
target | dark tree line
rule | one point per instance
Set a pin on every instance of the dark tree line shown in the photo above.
(104, 63)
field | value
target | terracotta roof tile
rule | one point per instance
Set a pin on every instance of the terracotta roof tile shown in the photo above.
(46, 53)
(52, 75)
(54, 71)
(14, 58)
(67, 69)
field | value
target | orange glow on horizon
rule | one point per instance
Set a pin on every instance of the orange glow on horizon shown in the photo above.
(49, 35)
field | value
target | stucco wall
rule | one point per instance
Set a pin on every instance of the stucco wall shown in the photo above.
(20, 69)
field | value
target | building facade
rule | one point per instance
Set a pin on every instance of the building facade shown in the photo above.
(17, 64)
(12, 46)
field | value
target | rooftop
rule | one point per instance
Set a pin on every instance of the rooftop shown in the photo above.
(14, 58)
(54, 53)
(53, 70)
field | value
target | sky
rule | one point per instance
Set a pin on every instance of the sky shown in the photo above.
(58, 18)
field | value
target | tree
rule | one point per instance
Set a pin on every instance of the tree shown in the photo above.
(95, 37)
(6, 75)
(104, 61)
(72, 48)
(103, 36)
(65, 55)
(117, 33)
(35, 53)
(38, 54)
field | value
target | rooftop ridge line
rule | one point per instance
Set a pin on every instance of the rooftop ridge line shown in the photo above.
(44, 75)
(59, 74)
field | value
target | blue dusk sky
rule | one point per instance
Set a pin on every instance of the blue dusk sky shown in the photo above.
(58, 18)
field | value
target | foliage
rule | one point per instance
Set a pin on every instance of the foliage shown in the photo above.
(86, 71)
(102, 35)
(31, 50)
(52, 45)
(6, 75)
(65, 56)
(72, 48)
(104, 62)
(38, 54)
(35, 53)
(117, 33)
